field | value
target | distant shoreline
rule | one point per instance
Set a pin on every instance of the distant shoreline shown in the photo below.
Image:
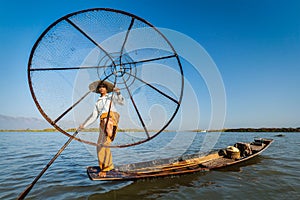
(137, 130)
(264, 130)
(254, 130)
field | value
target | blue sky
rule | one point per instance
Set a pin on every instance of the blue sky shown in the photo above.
(255, 45)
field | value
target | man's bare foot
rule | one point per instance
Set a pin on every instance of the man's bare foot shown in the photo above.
(102, 174)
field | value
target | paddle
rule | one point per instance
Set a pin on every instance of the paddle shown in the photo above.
(29, 187)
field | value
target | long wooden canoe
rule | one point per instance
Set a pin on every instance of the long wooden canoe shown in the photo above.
(182, 165)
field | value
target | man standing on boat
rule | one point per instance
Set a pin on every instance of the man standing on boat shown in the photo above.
(109, 118)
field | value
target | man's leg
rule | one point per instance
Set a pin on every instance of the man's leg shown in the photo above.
(104, 153)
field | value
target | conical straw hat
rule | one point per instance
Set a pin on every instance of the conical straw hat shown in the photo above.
(94, 86)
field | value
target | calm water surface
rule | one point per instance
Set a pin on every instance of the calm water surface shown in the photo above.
(273, 175)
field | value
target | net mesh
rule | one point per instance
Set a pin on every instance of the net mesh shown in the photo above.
(106, 45)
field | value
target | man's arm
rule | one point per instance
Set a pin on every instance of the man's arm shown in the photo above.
(91, 118)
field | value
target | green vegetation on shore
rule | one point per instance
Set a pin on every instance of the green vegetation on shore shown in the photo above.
(264, 130)
(51, 130)
(254, 130)
(29, 130)
(138, 130)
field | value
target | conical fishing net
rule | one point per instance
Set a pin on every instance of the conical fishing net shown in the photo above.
(110, 45)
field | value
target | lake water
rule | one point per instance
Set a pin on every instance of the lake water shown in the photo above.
(275, 174)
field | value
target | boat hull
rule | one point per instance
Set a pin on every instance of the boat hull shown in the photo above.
(177, 166)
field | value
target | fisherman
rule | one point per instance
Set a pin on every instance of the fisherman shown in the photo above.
(109, 118)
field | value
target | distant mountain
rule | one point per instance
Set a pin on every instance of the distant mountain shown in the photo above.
(14, 123)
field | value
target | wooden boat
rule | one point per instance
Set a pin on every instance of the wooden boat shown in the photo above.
(184, 164)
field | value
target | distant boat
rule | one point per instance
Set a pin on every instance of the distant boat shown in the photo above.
(279, 135)
(203, 131)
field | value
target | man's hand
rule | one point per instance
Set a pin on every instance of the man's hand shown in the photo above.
(117, 90)
(81, 127)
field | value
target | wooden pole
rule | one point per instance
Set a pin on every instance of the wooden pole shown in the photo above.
(29, 187)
